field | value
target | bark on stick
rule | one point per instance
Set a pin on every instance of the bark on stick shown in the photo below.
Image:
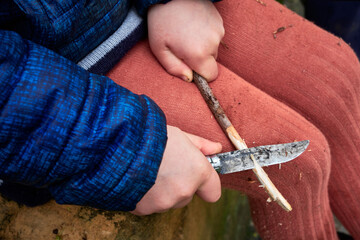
(238, 142)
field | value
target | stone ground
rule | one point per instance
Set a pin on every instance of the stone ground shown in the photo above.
(227, 219)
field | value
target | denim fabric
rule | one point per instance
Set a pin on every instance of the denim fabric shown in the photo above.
(86, 139)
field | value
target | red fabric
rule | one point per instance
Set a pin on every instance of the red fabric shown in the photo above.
(302, 85)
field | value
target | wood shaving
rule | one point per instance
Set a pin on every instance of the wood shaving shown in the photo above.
(224, 44)
(279, 30)
(261, 2)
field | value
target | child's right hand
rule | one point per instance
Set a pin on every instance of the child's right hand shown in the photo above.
(184, 171)
(184, 35)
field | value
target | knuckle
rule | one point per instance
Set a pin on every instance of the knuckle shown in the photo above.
(200, 166)
(214, 74)
(140, 212)
(185, 192)
(222, 32)
(184, 203)
(200, 52)
(173, 68)
(217, 196)
(204, 172)
(165, 204)
(214, 199)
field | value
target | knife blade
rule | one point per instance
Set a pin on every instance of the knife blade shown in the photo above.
(266, 155)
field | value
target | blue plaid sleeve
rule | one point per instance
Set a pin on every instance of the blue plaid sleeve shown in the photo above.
(86, 139)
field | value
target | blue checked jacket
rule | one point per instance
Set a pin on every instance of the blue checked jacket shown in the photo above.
(66, 133)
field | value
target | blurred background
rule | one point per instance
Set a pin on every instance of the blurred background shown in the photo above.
(342, 18)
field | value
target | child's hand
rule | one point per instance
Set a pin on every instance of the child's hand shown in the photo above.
(184, 35)
(183, 172)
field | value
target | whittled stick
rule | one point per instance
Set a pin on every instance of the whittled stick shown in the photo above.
(238, 142)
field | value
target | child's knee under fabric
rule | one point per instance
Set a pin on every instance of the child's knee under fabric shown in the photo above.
(259, 118)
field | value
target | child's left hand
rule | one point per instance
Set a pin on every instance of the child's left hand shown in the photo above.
(184, 35)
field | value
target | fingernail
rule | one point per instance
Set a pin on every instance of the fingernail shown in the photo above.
(187, 75)
(185, 78)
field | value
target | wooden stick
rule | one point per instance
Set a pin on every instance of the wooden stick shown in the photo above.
(238, 142)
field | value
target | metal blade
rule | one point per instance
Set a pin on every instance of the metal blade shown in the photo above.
(240, 160)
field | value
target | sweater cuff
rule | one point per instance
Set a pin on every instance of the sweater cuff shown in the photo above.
(142, 6)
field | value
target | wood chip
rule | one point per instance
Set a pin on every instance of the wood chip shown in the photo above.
(224, 44)
(261, 2)
(279, 30)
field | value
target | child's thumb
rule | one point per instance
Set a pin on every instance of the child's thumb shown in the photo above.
(206, 146)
